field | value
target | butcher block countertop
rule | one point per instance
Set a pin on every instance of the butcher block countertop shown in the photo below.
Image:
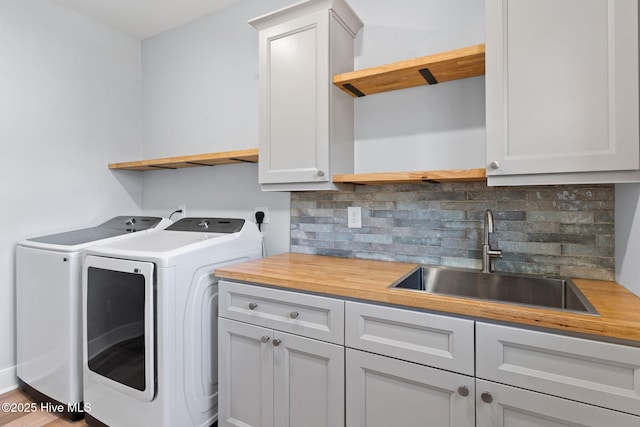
(369, 280)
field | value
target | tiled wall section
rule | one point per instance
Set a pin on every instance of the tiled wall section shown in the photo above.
(556, 230)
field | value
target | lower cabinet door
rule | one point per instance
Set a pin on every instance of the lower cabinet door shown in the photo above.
(383, 392)
(308, 382)
(504, 406)
(245, 375)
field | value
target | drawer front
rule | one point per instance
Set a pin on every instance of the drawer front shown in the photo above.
(429, 339)
(311, 316)
(594, 372)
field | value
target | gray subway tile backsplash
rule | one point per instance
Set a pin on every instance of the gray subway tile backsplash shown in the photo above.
(553, 230)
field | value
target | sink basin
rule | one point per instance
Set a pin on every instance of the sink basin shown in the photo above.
(540, 291)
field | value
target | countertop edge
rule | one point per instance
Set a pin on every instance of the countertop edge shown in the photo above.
(610, 299)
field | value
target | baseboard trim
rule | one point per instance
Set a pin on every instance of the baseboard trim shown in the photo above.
(8, 379)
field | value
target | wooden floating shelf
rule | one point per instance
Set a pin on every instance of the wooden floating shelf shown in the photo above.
(441, 67)
(466, 175)
(210, 159)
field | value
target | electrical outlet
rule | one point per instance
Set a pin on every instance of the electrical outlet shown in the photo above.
(182, 208)
(266, 213)
(354, 217)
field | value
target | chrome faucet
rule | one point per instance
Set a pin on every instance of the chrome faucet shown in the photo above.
(487, 252)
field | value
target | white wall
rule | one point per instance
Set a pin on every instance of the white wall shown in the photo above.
(70, 102)
(627, 223)
(428, 127)
(201, 95)
(222, 191)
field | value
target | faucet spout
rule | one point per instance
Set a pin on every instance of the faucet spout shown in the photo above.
(487, 252)
(488, 226)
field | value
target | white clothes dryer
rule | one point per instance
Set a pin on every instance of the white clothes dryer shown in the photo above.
(150, 308)
(49, 307)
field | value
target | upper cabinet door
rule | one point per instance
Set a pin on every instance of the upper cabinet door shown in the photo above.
(295, 101)
(562, 90)
(306, 123)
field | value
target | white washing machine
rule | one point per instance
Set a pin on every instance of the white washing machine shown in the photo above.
(49, 307)
(150, 308)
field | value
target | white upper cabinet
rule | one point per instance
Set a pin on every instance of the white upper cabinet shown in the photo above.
(562, 91)
(306, 123)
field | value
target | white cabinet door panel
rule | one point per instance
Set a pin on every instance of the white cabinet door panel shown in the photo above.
(383, 392)
(308, 382)
(305, 122)
(295, 101)
(514, 407)
(562, 86)
(245, 370)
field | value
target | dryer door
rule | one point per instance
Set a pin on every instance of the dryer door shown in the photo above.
(118, 318)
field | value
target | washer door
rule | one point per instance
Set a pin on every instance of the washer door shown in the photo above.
(118, 318)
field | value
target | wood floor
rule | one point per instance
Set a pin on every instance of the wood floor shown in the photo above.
(10, 415)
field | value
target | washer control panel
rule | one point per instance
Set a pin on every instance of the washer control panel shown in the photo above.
(208, 225)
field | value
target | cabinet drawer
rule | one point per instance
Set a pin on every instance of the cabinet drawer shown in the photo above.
(594, 372)
(307, 315)
(428, 339)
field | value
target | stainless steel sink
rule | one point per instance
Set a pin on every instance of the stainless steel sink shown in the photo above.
(549, 292)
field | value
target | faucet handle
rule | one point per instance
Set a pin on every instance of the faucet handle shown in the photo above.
(494, 253)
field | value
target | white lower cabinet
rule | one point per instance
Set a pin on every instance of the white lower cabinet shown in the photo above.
(401, 385)
(245, 375)
(500, 405)
(383, 392)
(288, 359)
(593, 372)
(269, 377)
(308, 382)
